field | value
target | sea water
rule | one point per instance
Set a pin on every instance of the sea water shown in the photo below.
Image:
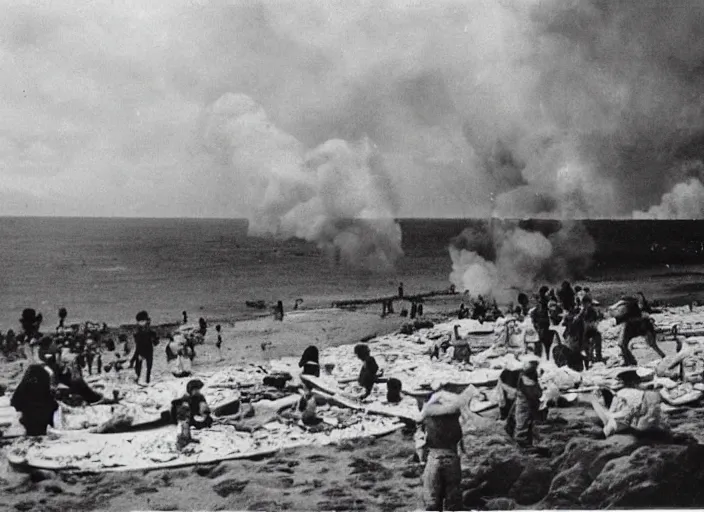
(107, 270)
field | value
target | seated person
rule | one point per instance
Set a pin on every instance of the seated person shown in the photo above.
(310, 361)
(460, 348)
(66, 372)
(368, 373)
(307, 406)
(34, 399)
(198, 406)
(632, 410)
(393, 391)
(175, 355)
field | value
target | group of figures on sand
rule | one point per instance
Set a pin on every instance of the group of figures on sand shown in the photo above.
(439, 435)
(57, 363)
(523, 403)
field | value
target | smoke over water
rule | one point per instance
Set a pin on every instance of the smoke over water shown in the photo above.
(335, 195)
(502, 258)
(684, 201)
(565, 109)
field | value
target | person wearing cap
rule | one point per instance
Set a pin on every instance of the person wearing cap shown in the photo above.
(632, 410)
(690, 352)
(197, 405)
(144, 342)
(526, 406)
(442, 477)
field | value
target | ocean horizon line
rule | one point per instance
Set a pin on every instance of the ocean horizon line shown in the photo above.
(398, 219)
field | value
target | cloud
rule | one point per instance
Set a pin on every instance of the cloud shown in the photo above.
(536, 108)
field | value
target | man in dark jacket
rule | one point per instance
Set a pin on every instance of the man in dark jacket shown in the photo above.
(144, 342)
(526, 408)
(540, 316)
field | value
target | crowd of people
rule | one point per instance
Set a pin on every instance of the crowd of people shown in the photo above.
(59, 360)
(62, 358)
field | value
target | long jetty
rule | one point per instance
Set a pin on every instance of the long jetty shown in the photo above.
(379, 300)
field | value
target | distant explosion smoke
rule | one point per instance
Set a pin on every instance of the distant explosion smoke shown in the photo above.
(684, 201)
(335, 195)
(564, 109)
(500, 259)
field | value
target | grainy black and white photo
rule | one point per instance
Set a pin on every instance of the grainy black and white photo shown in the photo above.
(371, 255)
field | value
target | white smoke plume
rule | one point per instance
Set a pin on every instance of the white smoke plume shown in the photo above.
(335, 195)
(684, 201)
(503, 258)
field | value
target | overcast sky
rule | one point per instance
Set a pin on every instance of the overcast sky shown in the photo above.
(104, 103)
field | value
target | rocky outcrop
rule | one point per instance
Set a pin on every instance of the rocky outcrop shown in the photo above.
(588, 473)
(660, 476)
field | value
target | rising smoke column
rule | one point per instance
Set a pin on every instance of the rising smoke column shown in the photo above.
(335, 195)
(502, 259)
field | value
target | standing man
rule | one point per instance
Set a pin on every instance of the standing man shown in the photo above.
(442, 477)
(526, 408)
(400, 291)
(144, 342)
(540, 316)
(592, 336)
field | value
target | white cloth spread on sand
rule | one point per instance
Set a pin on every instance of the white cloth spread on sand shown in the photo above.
(636, 409)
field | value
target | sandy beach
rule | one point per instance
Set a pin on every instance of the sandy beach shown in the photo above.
(365, 474)
(326, 478)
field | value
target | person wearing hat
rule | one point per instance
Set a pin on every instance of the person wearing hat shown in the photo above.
(526, 406)
(197, 405)
(632, 410)
(144, 342)
(442, 477)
